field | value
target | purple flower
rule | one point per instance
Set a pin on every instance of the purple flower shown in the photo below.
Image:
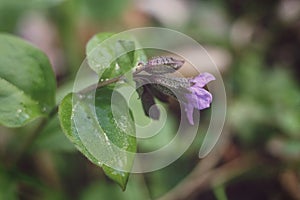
(198, 97)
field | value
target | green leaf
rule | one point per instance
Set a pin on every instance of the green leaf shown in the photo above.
(96, 40)
(27, 82)
(139, 56)
(112, 55)
(97, 59)
(125, 54)
(103, 136)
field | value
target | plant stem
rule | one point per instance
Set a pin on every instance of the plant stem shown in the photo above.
(101, 84)
(139, 69)
(112, 80)
(220, 193)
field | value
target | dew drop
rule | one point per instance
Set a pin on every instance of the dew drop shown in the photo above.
(122, 123)
(81, 96)
(44, 109)
(117, 67)
(26, 116)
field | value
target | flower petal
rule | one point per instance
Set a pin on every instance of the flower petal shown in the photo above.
(189, 109)
(204, 99)
(202, 79)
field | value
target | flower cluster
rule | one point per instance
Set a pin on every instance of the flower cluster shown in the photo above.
(158, 83)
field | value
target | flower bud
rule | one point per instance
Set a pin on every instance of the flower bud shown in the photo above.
(162, 65)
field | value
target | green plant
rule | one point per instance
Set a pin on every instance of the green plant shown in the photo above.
(28, 92)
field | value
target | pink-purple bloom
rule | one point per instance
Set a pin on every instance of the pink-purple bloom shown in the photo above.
(198, 98)
(189, 91)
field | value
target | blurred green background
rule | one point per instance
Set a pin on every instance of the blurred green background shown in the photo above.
(255, 44)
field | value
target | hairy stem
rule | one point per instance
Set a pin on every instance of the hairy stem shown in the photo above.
(101, 84)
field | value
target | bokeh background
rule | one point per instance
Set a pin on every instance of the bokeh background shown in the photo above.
(256, 46)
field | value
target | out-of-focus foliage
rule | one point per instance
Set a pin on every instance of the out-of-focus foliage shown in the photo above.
(52, 139)
(104, 10)
(8, 188)
(11, 11)
(267, 102)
